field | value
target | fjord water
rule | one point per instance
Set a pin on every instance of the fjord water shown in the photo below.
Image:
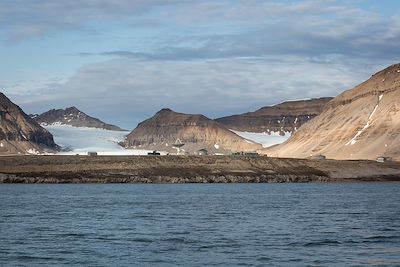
(200, 225)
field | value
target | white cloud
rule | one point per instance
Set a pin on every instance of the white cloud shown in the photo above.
(26, 19)
(212, 57)
(127, 91)
(215, 30)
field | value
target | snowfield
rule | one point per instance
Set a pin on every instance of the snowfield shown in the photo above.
(265, 139)
(81, 140)
(354, 139)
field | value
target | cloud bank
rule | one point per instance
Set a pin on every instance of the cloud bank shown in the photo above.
(211, 57)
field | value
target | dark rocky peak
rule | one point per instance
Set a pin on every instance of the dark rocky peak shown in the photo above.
(72, 110)
(74, 117)
(297, 107)
(165, 110)
(6, 104)
(20, 133)
(285, 117)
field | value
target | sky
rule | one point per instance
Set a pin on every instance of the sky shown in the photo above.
(123, 60)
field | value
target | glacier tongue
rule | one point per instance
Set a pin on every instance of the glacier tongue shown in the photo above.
(81, 140)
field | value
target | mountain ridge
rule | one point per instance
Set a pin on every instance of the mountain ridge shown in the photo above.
(197, 131)
(360, 123)
(284, 118)
(19, 134)
(74, 117)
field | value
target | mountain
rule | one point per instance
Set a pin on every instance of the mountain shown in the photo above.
(361, 123)
(74, 117)
(19, 134)
(283, 118)
(197, 132)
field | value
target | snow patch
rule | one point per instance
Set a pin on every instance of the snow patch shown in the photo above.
(265, 139)
(32, 151)
(372, 114)
(354, 139)
(1, 145)
(216, 146)
(295, 121)
(56, 123)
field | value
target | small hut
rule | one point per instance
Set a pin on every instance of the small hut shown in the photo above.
(92, 153)
(202, 152)
(154, 153)
(318, 157)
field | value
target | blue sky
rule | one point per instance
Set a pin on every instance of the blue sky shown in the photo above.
(123, 60)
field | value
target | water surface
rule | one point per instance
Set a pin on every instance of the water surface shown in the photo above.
(200, 225)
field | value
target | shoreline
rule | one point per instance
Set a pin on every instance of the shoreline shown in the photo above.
(190, 169)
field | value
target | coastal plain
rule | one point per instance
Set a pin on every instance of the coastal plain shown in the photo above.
(190, 169)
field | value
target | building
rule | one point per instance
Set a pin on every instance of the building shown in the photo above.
(382, 159)
(92, 153)
(154, 153)
(202, 152)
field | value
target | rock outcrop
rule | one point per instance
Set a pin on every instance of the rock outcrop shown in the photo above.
(193, 169)
(196, 131)
(19, 134)
(285, 117)
(361, 123)
(74, 117)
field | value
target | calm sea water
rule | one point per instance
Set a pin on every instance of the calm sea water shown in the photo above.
(200, 225)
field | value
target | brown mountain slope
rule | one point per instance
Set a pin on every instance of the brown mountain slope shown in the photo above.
(19, 134)
(197, 132)
(284, 117)
(361, 123)
(74, 117)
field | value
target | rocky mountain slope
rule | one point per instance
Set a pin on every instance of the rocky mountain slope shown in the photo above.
(361, 123)
(285, 117)
(197, 132)
(19, 134)
(74, 117)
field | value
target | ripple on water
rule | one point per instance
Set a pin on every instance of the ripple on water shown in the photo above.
(200, 225)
